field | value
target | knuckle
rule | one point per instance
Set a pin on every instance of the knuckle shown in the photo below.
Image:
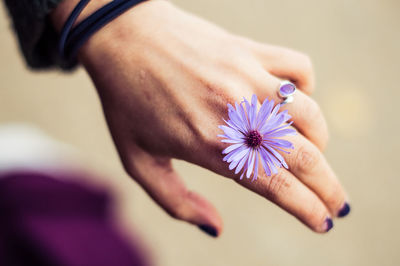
(208, 138)
(211, 86)
(219, 92)
(306, 62)
(210, 144)
(307, 158)
(217, 145)
(313, 110)
(249, 43)
(129, 167)
(334, 198)
(277, 185)
(177, 209)
(208, 131)
(315, 216)
(305, 70)
(316, 119)
(323, 141)
(176, 213)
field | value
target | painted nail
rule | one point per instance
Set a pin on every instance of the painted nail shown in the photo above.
(211, 231)
(344, 210)
(328, 224)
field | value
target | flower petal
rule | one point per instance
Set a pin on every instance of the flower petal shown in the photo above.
(241, 176)
(254, 100)
(235, 118)
(264, 164)
(233, 164)
(232, 141)
(273, 120)
(230, 107)
(231, 133)
(243, 116)
(277, 155)
(245, 105)
(231, 148)
(239, 154)
(250, 164)
(268, 131)
(264, 112)
(275, 110)
(278, 119)
(256, 167)
(267, 157)
(280, 143)
(281, 133)
(242, 163)
(275, 161)
(279, 149)
(253, 112)
(230, 156)
(232, 125)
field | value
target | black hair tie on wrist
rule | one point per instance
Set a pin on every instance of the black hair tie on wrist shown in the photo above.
(72, 40)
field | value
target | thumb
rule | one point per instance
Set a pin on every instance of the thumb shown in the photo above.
(158, 178)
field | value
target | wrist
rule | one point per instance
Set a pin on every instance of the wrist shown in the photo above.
(117, 35)
(112, 33)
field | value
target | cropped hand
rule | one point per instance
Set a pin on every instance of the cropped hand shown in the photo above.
(165, 78)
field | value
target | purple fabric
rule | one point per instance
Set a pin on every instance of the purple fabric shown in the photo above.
(45, 221)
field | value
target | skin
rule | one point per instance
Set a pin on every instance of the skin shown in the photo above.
(165, 77)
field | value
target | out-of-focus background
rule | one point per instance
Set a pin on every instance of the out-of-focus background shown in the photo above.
(355, 47)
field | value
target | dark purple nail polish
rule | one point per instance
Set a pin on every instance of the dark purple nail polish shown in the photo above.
(328, 224)
(344, 210)
(211, 231)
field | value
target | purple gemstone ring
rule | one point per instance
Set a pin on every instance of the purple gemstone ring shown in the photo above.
(286, 91)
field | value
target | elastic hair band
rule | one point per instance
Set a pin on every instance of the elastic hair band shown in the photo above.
(68, 25)
(72, 40)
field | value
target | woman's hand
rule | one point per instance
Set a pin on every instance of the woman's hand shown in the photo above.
(165, 78)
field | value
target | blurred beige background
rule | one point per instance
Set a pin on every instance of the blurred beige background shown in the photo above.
(355, 48)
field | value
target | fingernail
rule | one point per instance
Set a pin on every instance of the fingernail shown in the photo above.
(211, 231)
(344, 210)
(328, 224)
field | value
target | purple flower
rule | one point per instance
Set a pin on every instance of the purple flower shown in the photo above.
(255, 137)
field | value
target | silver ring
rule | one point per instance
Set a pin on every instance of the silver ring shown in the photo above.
(286, 91)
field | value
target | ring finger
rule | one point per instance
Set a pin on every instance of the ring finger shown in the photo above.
(306, 162)
(306, 114)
